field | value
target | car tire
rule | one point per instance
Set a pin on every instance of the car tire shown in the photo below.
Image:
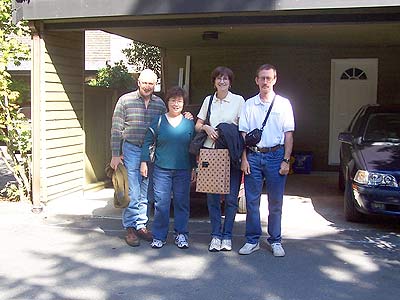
(351, 213)
(341, 180)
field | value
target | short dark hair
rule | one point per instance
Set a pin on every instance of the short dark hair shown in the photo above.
(176, 91)
(224, 71)
(266, 67)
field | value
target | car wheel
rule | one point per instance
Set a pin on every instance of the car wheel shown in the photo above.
(350, 211)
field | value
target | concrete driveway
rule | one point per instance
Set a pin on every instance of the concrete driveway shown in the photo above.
(75, 250)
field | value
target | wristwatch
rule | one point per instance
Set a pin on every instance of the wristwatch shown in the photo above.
(286, 160)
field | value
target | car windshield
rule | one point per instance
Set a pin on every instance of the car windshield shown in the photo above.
(383, 127)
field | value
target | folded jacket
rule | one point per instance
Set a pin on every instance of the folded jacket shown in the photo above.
(119, 179)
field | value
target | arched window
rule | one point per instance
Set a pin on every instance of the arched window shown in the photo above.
(354, 74)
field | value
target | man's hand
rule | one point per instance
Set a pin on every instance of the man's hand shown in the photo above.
(143, 169)
(284, 170)
(115, 161)
(245, 167)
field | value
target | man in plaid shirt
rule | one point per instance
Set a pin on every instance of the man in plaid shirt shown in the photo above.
(132, 117)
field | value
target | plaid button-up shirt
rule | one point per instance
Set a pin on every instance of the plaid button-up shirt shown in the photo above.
(131, 119)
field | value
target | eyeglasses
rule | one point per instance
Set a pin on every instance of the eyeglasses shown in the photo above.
(222, 78)
(268, 79)
(175, 101)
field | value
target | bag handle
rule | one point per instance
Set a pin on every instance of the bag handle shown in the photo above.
(269, 111)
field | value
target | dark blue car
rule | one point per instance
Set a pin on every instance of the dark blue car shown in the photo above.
(369, 170)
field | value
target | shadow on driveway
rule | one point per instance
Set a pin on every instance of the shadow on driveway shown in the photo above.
(66, 256)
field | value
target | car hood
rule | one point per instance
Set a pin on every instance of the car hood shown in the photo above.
(381, 156)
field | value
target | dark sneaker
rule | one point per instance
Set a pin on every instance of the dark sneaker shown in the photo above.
(144, 234)
(131, 237)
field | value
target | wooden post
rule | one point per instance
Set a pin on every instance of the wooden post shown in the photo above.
(186, 86)
(164, 71)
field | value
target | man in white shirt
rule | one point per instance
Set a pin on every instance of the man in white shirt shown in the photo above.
(269, 160)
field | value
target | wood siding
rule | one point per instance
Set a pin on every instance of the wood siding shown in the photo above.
(63, 138)
(99, 107)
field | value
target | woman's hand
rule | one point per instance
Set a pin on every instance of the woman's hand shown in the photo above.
(188, 115)
(193, 176)
(143, 169)
(211, 132)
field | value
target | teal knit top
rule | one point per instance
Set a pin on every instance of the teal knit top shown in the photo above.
(172, 151)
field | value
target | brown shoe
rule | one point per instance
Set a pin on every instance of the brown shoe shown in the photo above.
(144, 234)
(131, 237)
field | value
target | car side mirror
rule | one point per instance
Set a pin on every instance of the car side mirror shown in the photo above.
(358, 140)
(346, 137)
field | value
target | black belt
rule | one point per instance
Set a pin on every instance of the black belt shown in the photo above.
(265, 149)
(140, 146)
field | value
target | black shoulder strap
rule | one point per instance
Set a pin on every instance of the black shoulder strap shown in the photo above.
(269, 111)
(207, 120)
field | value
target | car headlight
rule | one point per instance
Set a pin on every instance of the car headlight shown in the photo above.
(375, 179)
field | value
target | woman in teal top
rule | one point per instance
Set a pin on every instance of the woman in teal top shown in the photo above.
(173, 169)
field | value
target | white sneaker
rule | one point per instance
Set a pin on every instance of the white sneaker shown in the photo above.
(157, 244)
(215, 245)
(277, 250)
(249, 248)
(226, 245)
(181, 241)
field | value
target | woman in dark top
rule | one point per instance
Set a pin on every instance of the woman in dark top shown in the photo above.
(173, 169)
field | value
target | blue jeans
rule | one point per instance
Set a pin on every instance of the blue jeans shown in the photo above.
(231, 206)
(264, 165)
(135, 215)
(178, 182)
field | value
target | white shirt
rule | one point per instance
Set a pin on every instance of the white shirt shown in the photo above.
(280, 120)
(225, 110)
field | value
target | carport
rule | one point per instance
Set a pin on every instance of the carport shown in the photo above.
(313, 45)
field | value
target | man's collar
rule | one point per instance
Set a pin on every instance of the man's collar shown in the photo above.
(139, 95)
(270, 98)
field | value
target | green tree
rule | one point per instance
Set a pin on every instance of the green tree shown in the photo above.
(14, 128)
(23, 88)
(144, 56)
(116, 77)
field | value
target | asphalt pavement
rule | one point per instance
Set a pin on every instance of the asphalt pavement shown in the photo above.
(75, 249)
